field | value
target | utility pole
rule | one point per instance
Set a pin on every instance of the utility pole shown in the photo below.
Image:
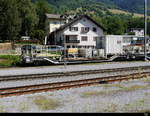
(65, 64)
(145, 30)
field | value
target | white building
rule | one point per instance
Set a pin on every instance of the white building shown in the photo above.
(53, 22)
(123, 44)
(82, 32)
(137, 31)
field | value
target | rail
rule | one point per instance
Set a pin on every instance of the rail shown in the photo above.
(22, 90)
(66, 74)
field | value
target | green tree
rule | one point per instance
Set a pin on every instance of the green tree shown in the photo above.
(39, 35)
(136, 23)
(42, 7)
(10, 21)
(114, 25)
(28, 16)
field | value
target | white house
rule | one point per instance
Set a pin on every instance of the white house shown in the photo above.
(53, 22)
(81, 32)
(137, 31)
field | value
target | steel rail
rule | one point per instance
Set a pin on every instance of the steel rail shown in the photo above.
(16, 91)
(66, 74)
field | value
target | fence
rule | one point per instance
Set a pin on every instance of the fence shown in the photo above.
(6, 49)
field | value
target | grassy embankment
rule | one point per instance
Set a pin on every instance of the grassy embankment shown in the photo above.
(7, 55)
(9, 60)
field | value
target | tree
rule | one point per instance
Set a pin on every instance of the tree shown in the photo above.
(136, 23)
(114, 25)
(42, 7)
(28, 16)
(10, 21)
(39, 35)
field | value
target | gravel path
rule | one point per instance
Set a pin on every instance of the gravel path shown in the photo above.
(54, 69)
(131, 96)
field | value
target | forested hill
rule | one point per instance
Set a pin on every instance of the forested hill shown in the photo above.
(133, 6)
(78, 6)
(129, 5)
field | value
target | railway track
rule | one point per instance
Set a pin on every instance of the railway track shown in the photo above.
(67, 74)
(22, 90)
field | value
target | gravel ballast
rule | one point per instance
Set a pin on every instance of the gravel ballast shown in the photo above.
(127, 96)
(16, 83)
(69, 68)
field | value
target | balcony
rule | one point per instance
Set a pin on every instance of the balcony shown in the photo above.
(72, 41)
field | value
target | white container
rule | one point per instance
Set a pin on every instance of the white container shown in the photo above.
(113, 44)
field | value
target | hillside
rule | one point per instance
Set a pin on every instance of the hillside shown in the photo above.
(109, 13)
(79, 6)
(135, 15)
(133, 6)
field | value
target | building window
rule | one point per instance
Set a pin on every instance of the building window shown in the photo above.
(118, 42)
(73, 46)
(73, 28)
(84, 20)
(94, 29)
(55, 22)
(127, 40)
(84, 38)
(85, 29)
(68, 46)
(95, 38)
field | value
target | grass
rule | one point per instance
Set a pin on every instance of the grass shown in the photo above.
(135, 87)
(110, 92)
(111, 108)
(9, 60)
(2, 109)
(144, 111)
(136, 106)
(44, 103)
(24, 106)
(117, 11)
(96, 93)
(113, 85)
(147, 80)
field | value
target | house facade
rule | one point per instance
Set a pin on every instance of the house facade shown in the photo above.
(53, 22)
(81, 32)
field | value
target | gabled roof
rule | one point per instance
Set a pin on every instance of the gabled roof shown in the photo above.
(76, 19)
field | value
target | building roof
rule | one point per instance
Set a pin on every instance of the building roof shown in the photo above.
(76, 19)
(54, 16)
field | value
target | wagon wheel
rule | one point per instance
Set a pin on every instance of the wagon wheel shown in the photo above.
(36, 63)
